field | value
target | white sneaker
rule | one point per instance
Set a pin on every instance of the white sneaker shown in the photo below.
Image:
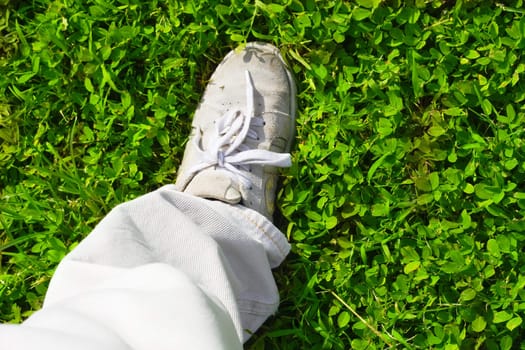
(242, 130)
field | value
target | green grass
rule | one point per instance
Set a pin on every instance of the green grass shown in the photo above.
(406, 201)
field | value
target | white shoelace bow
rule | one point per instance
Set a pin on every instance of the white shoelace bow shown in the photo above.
(227, 149)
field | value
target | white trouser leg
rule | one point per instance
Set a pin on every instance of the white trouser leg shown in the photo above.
(162, 271)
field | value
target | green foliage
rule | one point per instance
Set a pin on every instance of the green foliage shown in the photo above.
(406, 201)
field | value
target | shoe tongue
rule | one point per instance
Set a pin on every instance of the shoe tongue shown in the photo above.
(214, 184)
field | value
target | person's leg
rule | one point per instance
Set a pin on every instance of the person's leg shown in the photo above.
(172, 269)
(227, 251)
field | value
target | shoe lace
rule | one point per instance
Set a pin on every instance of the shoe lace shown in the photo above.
(227, 150)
